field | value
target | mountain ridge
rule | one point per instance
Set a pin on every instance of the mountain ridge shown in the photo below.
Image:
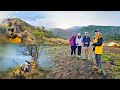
(108, 32)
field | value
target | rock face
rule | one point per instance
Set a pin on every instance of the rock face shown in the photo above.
(14, 27)
(27, 33)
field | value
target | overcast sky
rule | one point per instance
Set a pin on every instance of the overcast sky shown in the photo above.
(65, 19)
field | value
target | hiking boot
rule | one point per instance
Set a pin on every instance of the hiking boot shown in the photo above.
(79, 56)
(100, 70)
(95, 67)
(83, 58)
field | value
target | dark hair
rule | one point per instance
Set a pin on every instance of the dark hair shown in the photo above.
(79, 36)
(96, 30)
(12, 30)
(26, 61)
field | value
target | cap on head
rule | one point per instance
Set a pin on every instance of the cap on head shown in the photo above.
(96, 30)
(86, 32)
(74, 34)
(79, 34)
(26, 60)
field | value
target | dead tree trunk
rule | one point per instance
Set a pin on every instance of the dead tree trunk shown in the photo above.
(34, 52)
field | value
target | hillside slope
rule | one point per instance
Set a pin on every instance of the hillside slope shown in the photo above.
(29, 34)
(108, 32)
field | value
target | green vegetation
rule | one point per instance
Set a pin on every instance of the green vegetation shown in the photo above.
(108, 32)
(111, 56)
(14, 73)
(40, 33)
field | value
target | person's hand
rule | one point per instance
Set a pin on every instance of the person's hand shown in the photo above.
(94, 44)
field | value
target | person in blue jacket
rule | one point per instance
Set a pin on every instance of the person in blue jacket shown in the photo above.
(86, 44)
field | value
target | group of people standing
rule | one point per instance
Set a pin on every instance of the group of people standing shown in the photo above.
(77, 41)
(82, 44)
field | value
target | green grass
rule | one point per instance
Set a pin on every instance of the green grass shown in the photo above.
(105, 57)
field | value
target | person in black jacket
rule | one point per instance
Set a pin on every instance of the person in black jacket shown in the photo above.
(98, 51)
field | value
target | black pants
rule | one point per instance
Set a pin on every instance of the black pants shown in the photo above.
(73, 50)
(79, 50)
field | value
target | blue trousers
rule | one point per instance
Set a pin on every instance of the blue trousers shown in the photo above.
(98, 60)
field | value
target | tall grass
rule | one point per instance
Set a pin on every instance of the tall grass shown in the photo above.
(55, 41)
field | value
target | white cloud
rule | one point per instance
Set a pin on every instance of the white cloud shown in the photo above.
(64, 19)
(4, 14)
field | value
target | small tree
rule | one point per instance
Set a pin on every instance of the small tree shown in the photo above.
(30, 50)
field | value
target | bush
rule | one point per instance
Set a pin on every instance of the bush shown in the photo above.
(38, 34)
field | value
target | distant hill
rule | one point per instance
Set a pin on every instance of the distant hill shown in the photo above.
(75, 27)
(108, 32)
(65, 33)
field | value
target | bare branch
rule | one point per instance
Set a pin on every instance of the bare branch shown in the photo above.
(31, 50)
